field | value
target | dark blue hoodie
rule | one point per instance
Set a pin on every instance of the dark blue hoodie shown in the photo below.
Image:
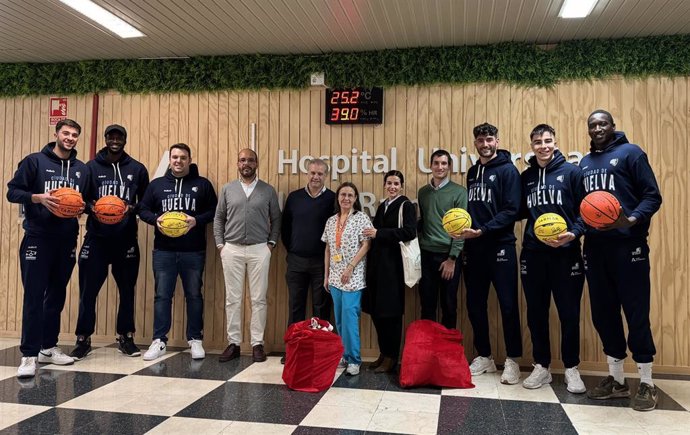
(127, 179)
(493, 199)
(191, 194)
(557, 188)
(623, 170)
(40, 173)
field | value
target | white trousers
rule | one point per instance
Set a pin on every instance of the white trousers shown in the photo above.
(253, 261)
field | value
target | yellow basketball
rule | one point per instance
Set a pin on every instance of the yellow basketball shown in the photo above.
(549, 226)
(173, 223)
(455, 220)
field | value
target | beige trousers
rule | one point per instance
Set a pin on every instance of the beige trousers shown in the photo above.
(252, 261)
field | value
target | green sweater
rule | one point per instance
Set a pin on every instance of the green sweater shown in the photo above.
(433, 204)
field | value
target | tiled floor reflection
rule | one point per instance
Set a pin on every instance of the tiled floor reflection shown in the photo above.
(110, 393)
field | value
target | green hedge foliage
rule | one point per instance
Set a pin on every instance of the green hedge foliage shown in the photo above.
(514, 63)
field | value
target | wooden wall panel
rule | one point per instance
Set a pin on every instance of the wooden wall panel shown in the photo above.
(654, 113)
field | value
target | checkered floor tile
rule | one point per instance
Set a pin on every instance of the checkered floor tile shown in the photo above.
(110, 393)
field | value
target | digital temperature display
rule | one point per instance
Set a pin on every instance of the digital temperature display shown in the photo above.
(354, 106)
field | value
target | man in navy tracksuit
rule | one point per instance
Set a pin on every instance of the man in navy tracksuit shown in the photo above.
(181, 189)
(113, 172)
(552, 185)
(617, 257)
(493, 202)
(47, 251)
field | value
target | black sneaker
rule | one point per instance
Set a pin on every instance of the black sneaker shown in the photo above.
(127, 346)
(82, 348)
(645, 399)
(609, 388)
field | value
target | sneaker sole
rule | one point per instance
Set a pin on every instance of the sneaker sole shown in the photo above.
(536, 386)
(645, 409)
(583, 390)
(153, 358)
(56, 363)
(508, 382)
(27, 376)
(490, 370)
(198, 357)
(617, 395)
(129, 354)
(78, 358)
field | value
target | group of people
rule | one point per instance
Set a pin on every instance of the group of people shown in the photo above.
(349, 261)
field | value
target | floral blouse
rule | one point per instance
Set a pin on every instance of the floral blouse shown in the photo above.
(351, 241)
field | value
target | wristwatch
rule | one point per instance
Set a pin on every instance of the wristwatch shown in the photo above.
(453, 257)
(272, 243)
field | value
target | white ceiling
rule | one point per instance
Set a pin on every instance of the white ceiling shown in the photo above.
(47, 31)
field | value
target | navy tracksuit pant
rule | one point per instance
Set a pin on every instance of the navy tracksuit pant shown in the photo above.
(557, 271)
(486, 264)
(97, 253)
(46, 266)
(618, 276)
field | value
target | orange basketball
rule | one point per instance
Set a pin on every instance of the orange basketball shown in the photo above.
(109, 209)
(599, 208)
(71, 203)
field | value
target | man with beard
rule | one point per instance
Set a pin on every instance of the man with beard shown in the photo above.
(181, 189)
(113, 172)
(493, 186)
(47, 252)
(617, 258)
(246, 229)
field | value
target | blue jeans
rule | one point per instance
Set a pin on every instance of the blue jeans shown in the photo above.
(167, 265)
(347, 307)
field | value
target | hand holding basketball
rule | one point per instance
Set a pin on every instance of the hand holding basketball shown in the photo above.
(69, 202)
(561, 240)
(47, 200)
(623, 221)
(174, 223)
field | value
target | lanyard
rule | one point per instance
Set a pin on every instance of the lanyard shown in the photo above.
(339, 230)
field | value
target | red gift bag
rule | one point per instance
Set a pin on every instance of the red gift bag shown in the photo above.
(433, 355)
(312, 354)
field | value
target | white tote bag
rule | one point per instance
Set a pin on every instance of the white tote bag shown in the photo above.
(411, 256)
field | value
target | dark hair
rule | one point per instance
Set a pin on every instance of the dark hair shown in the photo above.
(603, 112)
(485, 129)
(541, 129)
(68, 123)
(182, 146)
(439, 153)
(357, 206)
(256, 156)
(394, 173)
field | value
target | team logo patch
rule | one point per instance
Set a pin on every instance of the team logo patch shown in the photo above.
(130, 177)
(130, 253)
(637, 255)
(195, 189)
(560, 178)
(77, 174)
(614, 162)
(492, 177)
(30, 254)
(523, 269)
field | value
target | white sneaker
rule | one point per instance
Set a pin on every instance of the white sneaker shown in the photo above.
(198, 351)
(511, 372)
(27, 369)
(352, 369)
(342, 364)
(540, 376)
(482, 364)
(156, 350)
(54, 355)
(574, 381)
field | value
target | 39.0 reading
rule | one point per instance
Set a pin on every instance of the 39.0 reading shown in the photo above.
(344, 114)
